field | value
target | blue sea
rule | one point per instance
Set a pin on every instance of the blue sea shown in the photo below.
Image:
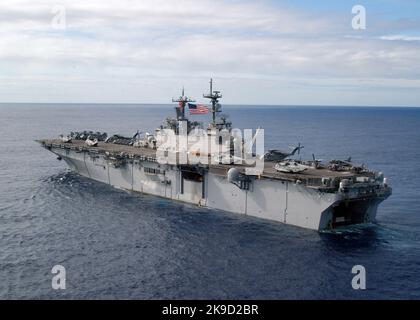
(119, 245)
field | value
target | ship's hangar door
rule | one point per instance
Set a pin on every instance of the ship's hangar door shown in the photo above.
(192, 183)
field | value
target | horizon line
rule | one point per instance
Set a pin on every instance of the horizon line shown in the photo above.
(226, 104)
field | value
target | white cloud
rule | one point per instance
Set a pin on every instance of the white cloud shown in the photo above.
(119, 46)
(400, 38)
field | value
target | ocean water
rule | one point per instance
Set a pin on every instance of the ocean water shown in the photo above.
(119, 245)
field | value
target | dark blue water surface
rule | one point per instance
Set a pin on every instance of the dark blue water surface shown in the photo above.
(115, 244)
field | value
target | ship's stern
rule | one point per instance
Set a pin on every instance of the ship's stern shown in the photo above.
(355, 204)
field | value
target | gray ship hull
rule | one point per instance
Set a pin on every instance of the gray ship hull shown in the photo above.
(278, 200)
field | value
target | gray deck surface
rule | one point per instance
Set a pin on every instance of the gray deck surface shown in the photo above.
(269, 171)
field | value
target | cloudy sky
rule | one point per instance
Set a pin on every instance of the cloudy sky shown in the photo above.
(296, 52)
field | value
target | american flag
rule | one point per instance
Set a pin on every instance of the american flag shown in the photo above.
(198, 109)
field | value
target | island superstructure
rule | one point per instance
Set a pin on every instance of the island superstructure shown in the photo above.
(308, 194)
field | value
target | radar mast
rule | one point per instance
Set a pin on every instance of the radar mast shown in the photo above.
(214, 96)
(182, 103)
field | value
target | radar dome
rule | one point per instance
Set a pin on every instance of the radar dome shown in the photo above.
(233, 175)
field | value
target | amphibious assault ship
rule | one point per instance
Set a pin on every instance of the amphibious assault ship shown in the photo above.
(215, 172)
